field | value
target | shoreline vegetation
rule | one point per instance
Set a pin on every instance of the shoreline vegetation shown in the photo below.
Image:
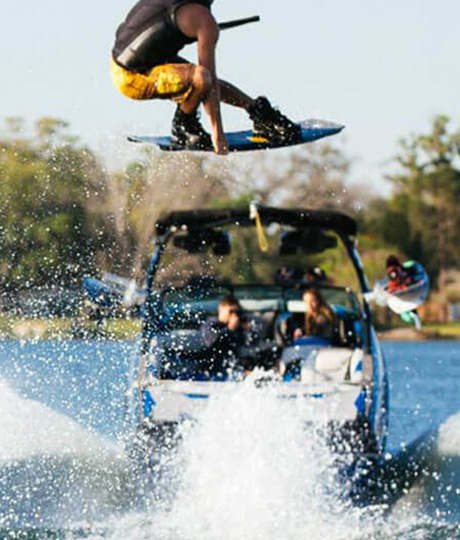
(129, 329)
(65, 328)
(66, 216)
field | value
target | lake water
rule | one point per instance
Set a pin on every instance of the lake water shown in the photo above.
(246, 473)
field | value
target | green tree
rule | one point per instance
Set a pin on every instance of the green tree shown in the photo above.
(422, 216)
(312, 176)
(150, 186)
(46, 223)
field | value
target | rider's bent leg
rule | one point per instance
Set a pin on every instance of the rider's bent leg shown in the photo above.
(268, 121)
(201, 84)
(184, 83)
(231, 95)
(166, 81)
(187, 130)
(189, 85)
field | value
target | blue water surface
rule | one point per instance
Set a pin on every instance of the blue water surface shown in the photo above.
(87, 381)
(424, 386)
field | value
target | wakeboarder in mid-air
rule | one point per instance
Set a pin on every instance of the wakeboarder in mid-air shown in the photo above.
(145, 65)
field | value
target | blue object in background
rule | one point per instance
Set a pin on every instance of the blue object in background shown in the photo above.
(100, 293)
(148, 402)
(360, 402)
(311, 340)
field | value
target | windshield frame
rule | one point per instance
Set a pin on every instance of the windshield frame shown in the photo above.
(152, 302)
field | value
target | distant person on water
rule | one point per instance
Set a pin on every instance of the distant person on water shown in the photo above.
(405, 278)
(398, 277)
(145, 65)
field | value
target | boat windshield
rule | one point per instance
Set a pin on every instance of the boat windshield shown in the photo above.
(261, 280)
(258, 298)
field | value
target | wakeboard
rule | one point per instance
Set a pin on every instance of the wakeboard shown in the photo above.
(243, 141)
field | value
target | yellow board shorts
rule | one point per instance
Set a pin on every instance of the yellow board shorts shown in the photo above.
(161, 82)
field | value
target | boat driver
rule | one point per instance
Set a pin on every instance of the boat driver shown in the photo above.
(224, 336)
(145, 65)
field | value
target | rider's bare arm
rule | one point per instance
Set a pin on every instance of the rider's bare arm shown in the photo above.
(196, 21)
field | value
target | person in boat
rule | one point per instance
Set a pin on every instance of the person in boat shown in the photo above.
(319, 319)
(145, 65)
(285, 275)
(399, 277)
(224, 336)
(315, 274)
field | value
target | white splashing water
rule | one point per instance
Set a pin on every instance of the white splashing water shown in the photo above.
(30, 429)
(250, 469)
(53, 472)
(448, 443)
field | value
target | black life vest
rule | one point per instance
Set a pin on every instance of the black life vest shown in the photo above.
(149, 35)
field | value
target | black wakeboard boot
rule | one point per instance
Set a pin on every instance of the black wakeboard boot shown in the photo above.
(188, 132)
(271, 124)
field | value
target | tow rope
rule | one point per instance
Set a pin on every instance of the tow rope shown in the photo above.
(261, 236)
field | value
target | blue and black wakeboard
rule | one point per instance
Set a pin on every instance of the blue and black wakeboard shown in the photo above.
(242, 141)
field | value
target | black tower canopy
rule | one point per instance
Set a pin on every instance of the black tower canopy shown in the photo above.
(298, 218)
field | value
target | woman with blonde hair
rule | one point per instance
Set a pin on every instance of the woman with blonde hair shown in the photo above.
(319, 317)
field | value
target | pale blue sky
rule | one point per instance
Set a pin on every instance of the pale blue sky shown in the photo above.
(382, 68)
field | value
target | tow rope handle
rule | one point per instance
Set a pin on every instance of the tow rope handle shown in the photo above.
(261, 236)
(238, 22)
(233, 24)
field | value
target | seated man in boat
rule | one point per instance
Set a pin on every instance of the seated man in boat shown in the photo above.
(319, 319)
(224, 336)
(285, 275)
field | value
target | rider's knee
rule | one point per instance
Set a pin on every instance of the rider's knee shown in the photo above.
(202, 79)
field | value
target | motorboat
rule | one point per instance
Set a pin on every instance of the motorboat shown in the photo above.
(260, 255)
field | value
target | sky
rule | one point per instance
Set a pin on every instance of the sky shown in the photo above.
(384, 69)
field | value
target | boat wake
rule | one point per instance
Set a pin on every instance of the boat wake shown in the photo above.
(52, 471)
(249, 468)
(437, 489)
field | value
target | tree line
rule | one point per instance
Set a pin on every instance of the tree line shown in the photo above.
(64, 215)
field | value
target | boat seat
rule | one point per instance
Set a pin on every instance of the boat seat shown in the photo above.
(189, 340)
(287, 322)
(337, 364)
(312, 361)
